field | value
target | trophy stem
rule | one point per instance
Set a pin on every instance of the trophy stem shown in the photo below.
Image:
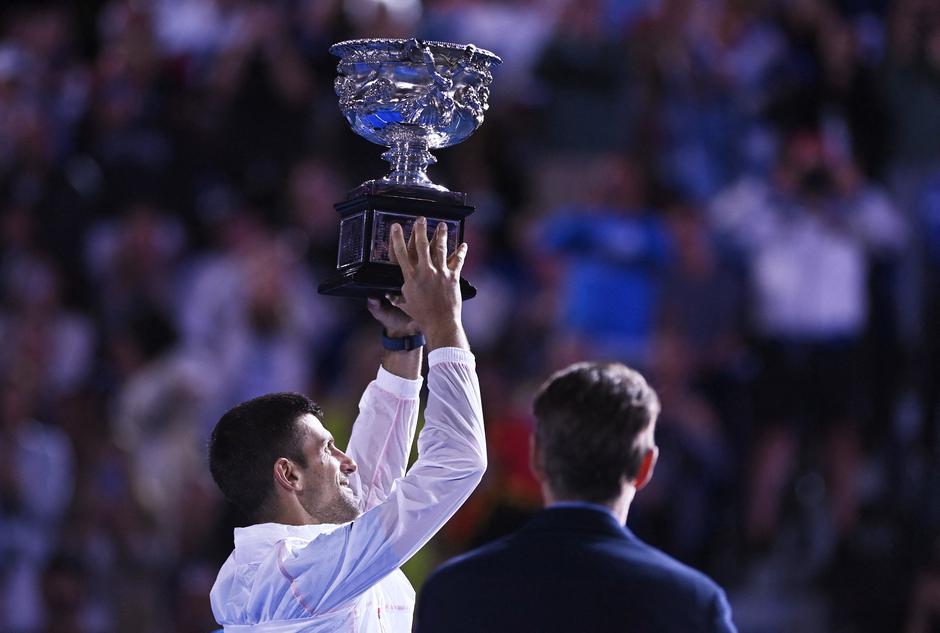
(409, 159)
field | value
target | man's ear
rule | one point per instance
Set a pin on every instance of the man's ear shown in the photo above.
(645, 473)
(535, 459)
(287, 475)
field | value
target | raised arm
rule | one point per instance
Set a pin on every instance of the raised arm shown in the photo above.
(388, 412)
(382, 435)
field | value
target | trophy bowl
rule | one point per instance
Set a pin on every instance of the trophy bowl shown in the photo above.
(411, 97)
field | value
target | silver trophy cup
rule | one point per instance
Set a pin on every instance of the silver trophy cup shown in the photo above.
(412, 97)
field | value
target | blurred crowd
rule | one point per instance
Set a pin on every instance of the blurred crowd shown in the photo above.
(739, 197)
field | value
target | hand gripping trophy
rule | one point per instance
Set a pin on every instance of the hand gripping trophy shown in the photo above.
(409, 96)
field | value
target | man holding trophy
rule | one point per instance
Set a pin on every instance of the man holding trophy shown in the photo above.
(332, 528)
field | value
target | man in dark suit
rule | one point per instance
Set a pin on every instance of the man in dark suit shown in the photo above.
(575, 567)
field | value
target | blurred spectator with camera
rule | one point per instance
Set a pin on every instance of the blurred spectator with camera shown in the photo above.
(808, 240)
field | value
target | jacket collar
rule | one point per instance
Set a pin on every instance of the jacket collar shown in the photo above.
(577, 518)
(256, 540)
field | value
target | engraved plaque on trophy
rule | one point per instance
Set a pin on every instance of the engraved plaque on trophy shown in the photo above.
(410, 96)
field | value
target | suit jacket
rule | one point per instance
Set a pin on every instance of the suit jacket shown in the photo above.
(570, 569)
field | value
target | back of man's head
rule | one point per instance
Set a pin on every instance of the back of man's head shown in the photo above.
(249, 438)
(591, 429)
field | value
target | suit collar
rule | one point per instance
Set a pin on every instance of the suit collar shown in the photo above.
(582, 504)
(577, 518)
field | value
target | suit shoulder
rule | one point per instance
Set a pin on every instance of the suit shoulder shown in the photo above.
(662, 577)
(664, 568)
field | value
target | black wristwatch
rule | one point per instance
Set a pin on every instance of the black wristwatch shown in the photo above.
(402, 344)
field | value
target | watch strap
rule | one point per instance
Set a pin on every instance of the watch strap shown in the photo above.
(402, 343)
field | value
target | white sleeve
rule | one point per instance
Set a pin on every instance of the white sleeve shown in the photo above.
(340, 565)
(382, 435)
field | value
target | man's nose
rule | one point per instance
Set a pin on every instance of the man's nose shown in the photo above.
(347, 464)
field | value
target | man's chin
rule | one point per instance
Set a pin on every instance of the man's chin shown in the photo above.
(350, 514)
(353, 506)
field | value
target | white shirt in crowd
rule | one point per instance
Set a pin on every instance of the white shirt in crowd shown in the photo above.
(287, 578)
(809, 274)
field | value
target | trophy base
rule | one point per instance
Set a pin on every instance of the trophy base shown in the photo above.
(363, 267)
(375, 280)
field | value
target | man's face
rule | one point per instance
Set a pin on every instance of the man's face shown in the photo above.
(327, 495)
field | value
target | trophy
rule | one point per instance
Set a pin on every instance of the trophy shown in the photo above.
(410, 96)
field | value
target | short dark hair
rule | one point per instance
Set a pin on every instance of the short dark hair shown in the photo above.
(249, 438)
(589, 418)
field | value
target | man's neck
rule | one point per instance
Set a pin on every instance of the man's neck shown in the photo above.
(289, 515)
(618, 506)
